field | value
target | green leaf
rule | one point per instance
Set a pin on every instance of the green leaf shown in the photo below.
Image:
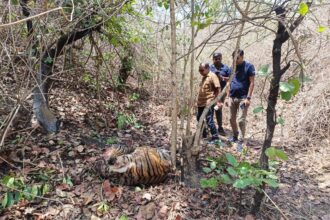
(321, 29)
(44, 189)
(271, 182)
(224, 178)
(34, 191)
(213, 165)
(209, 183)
(272, 176)
(27, 193)
(207, 170)
(8, 200)
(296, 84)
(244, 168)
(8, 181)
(231, 171)
(242, 183)
(67, 180)
(5, 201)
(111, 140)
(231, 160)
(263, 71)
(281, 155)
(123, 217)
(48, 60)
(258, 109)
(14, 2)
(286, 96)
(286, 87)
(280, 121)
(271, 153)
(303, 8)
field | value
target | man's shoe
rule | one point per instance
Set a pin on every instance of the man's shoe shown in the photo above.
(222, 132)
(215, 141)
(239, 147)
(233, 139)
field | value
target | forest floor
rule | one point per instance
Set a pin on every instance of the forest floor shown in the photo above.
(64, 162)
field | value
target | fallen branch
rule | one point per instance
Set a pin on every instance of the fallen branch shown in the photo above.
(283, 215)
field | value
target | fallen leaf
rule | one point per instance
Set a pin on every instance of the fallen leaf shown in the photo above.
(111, 192)
(88, 198)
(147, 196)
(60, 193)
(148, 210)
(326, 217)
(205, 197)
(80, 148)
(249, 217)
(79, 189)
(93, 217)
(71, 153)
(163, 211)
(178, 217)
(63, 186)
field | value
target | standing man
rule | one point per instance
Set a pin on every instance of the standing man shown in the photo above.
(239, 97)
(208, 90)
(223, 72)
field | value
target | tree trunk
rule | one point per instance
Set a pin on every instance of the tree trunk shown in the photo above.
(40, 94)
(192, 69)
(282, 36)
(174, 87)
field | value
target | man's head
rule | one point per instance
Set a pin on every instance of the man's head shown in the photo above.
(217, 58)
(240, 56)
(204, 69)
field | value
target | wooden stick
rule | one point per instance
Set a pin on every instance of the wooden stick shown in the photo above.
(283, 215)
(29, 18)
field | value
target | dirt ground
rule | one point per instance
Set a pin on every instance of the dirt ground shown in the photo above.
(303, 192)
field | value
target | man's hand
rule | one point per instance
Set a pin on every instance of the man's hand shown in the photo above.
(219, 104)
(247, 102)
(227, 102)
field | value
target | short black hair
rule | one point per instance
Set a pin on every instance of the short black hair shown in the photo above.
(205, 65)
(238, 51)
(217, 54)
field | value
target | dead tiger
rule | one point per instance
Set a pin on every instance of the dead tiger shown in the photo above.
(142, 165)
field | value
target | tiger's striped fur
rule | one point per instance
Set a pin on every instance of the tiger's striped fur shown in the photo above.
(144, 165)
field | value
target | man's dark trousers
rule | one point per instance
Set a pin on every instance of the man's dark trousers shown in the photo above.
(209, 121)
(218, 115)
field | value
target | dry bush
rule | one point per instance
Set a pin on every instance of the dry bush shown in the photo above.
(313, 123)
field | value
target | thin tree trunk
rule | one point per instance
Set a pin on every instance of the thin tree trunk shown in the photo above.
(174, 87)
(192, 68)
(282, 36)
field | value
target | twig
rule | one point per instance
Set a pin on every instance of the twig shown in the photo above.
(71, 17)
(283, 215)
(3, 159)
(31, 17)
(11, 118)
(58, 154)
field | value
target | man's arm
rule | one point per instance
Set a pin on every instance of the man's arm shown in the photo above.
(216, 91)
(226, 74)
(251, 87)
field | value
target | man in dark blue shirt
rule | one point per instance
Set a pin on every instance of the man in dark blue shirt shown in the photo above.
(239, 97)
(222, 71)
